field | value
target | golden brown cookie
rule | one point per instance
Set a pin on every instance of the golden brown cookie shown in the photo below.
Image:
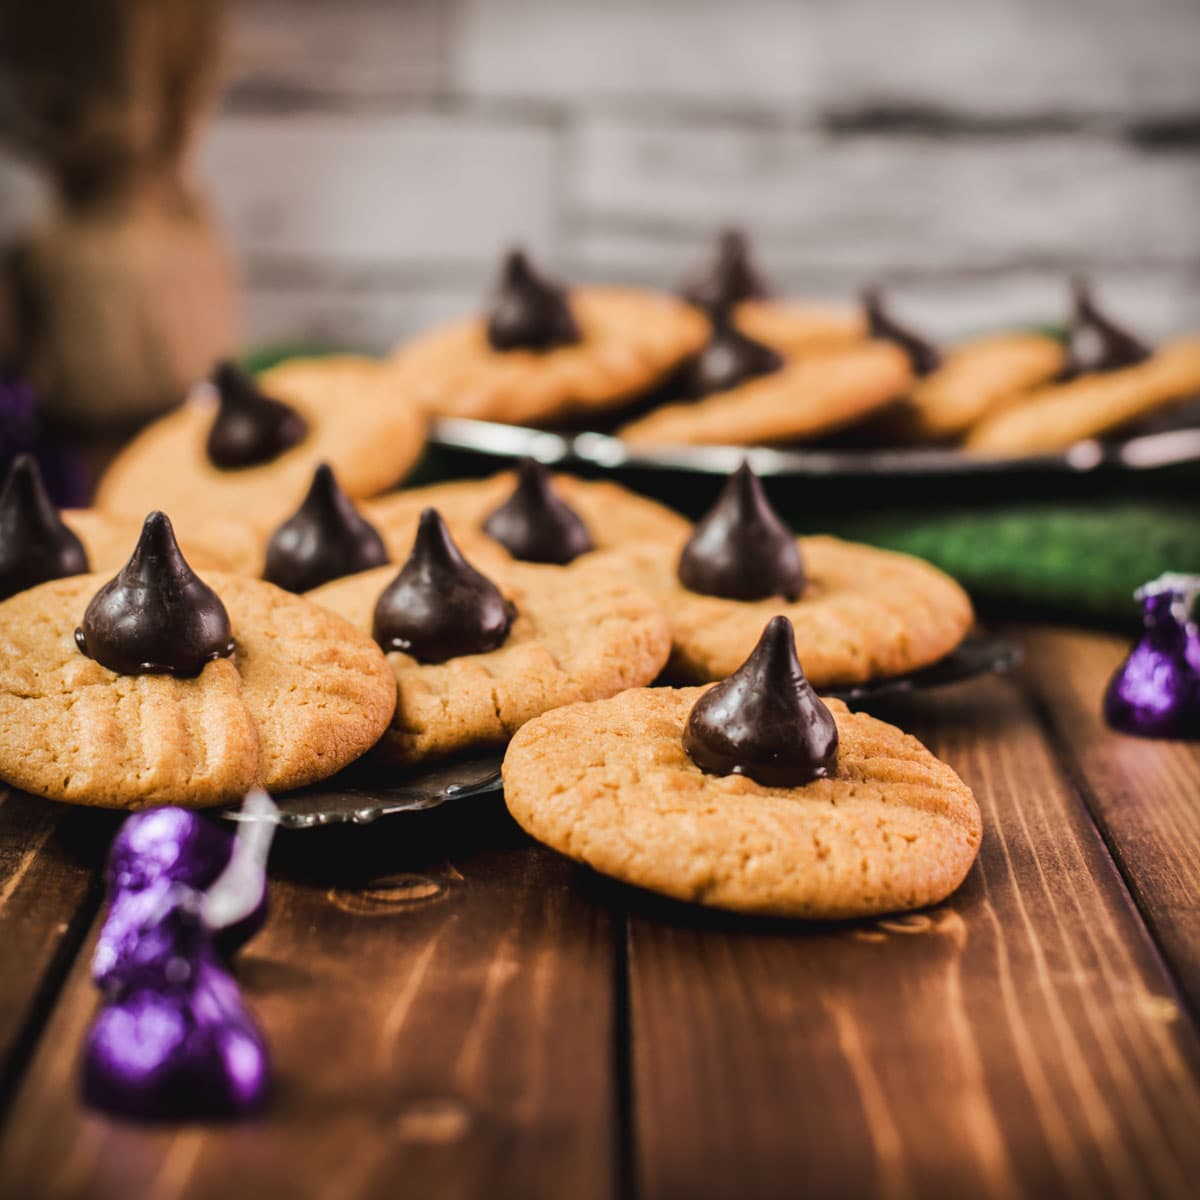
(864, 614)
(303, 695)
(609, 784)
(1055, 417)
(809, 396)
(209, 543)
(356, 422)
(614, 515)
(581, 633)
(975, 379)
(629, 340)
(795, 327)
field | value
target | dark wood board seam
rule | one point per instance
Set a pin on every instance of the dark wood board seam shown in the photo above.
(623, 1123)
(45, 1000)
(1076, 782)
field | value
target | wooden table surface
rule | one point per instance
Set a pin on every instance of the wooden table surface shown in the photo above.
(455, 1011)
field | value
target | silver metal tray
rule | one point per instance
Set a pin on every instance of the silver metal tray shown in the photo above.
(363, 794)
(1149, 452)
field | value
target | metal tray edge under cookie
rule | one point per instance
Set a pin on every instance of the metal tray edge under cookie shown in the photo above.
(1151, 451)
(362, 794)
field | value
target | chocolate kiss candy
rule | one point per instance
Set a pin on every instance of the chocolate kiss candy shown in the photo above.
(731, 278)
(1156, 690)
(741, 549)
(529, 312)
(922, 353)
(157, 617)
(439, 606)
(324, 539)
(249, 428)
(764, 721)
(35, 545)
(728, 358)
(535, 524)
(1097, 343)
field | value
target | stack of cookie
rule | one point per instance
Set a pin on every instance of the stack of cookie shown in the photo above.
(302, 621)
(730, 363)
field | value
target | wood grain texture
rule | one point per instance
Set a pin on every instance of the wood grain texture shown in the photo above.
(49, 859)
(900, 200)
(1145, 794)
(997, 58)
(1022, 1039)
(439, 1007)
(363, 189)
(289, 53)
(350, 311)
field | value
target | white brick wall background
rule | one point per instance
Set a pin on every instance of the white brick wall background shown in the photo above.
(371, 157)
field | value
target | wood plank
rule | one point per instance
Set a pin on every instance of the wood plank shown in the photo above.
(1023, 1039)
(365, 189)
(356, 314)
(440, 1009)
(290, 52)
(890, 201)
(990, 59)
(1145, 794)
(49, 860)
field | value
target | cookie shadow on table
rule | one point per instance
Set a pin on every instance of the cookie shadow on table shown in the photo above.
(352, 855)
(635, 904)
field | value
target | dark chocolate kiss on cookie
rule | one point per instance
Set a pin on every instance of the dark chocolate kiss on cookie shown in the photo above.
(740, 549)
(529, 312)
(765, 721)
(250, 428)
(727, 359)
(35, 544)
(731, 277)
(157, 617)
(439, 606)
(922, 353)
(324, 539)
(1095, 342)
(535, 524)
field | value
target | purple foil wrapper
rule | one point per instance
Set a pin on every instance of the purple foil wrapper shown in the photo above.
(63, 471)
(163, 846)
(1156, 690)
(174, 1041)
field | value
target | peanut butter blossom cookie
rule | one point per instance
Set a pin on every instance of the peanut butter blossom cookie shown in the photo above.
(477, 655)
(738, 390)
(159, 687)
(733, 280)
(544, 354)
(955, 388)
(752, 795)
(246, 448)
(1111, 381)
(535, 516)
(859, 613)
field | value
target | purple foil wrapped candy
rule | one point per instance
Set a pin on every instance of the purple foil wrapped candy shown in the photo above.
(175, 845)
(174, 1041)
(1156, 691)
(167, 843)
(63, 471)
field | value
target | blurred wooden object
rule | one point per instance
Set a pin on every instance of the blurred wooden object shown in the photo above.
(126, 291)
